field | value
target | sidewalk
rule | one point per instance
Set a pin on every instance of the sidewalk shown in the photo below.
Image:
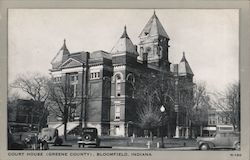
(157, 149)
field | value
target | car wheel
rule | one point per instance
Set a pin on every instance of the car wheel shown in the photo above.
(82, 145)
(204, 147)
(79, 145)
(237, 146)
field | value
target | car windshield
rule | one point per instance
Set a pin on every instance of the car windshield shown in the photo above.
(89, 130)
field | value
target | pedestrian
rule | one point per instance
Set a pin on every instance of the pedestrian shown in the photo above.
(34, 141)
(45, 145)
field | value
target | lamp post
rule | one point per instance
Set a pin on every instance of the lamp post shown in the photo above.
(129, 122)
(162, 109)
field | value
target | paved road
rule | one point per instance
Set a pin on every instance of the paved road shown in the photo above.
(75, 147)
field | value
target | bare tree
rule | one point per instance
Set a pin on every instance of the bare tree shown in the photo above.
(201, 105)
(228, 104)
(154, 91)
(34, 85)
(62, 97)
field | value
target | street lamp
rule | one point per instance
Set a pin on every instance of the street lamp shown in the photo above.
(162, 109)
(129, 122)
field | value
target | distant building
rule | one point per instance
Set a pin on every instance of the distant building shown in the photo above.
(23, 112)
(216, 117)
(111, 79)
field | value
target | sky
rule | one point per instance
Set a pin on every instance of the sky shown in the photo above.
(209, 38)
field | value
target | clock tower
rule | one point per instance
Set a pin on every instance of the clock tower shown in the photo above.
(154, 44)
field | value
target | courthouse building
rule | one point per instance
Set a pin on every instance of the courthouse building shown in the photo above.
(106, 82)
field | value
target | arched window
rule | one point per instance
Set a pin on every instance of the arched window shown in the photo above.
(118, 85)
(131, 82)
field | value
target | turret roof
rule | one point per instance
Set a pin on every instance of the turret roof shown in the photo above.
(124, 44)
(153, 28)
(59, 56)
(184, 67)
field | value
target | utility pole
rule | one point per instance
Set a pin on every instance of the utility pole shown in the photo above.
(86, 89)
(84, 96)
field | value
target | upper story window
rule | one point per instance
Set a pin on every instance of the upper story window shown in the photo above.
(73, 78)
(73, 84)
(118, 84)
(131, 82)
(95, 75)
(57, 79)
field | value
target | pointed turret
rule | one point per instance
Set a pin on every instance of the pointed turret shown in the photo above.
(125, 35)
(124, 45)
(64, 47)
(153, 28)
(184, 67)
(61, 56)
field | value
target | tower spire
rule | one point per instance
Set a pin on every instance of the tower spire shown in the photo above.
(184, 68)
(64, 45)
(124, 45)
(183, 57)
(125, 35)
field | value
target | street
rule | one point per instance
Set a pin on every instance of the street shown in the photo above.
(75, 147)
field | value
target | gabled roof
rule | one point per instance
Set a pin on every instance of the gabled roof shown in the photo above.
(153, 28)
(183, 67)
(71, 62)
(124, 44)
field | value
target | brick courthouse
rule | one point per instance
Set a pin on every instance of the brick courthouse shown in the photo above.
(107, 82)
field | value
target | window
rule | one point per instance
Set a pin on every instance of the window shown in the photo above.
(73, 84)
(95, 75)
(73, 78)
(118, 85)
(57, 79)
(131, 84)
(73, 89)
(117, 112)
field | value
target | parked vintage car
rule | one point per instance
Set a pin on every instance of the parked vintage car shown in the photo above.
(88, 136)
(223, 139)
(50, 135)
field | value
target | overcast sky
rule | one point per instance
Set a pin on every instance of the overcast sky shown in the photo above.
(210, 38)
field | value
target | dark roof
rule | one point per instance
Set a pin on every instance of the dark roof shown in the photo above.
(100, 54)
(79, 56)
(125, 35)
(154, 27)
(124, 45)
(184, 67)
